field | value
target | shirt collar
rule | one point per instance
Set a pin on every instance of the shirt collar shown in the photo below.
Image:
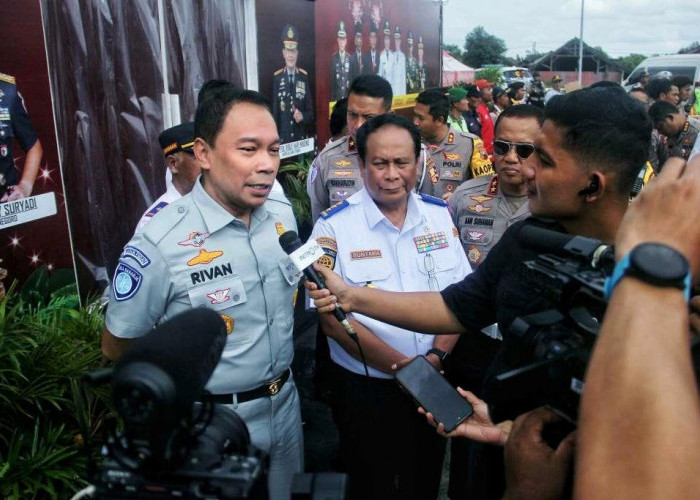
(215, 216)
(374, 216)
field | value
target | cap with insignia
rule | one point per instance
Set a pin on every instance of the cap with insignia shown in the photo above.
(387, 28)
(341, 30)
(290, 37)
(420, 42)
(177, 138)
(373, 28)
(358, 29)
(409, 38)
(397, 31)
(557, 78)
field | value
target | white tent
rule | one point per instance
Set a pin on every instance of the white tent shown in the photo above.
(454, 71)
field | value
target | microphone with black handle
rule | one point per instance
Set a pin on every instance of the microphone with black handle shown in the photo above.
(290, 243)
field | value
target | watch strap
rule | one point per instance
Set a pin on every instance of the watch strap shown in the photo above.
(621, 270)
(439, 353)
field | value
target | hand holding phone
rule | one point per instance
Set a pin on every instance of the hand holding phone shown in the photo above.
(433, 393)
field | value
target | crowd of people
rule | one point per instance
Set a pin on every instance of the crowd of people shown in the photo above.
(419, 220)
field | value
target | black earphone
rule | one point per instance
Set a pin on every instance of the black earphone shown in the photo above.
(592, 187)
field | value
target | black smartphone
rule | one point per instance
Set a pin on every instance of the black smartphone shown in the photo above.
(435, 394)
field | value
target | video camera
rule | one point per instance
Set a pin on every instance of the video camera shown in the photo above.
(175, 442)
(551, 349)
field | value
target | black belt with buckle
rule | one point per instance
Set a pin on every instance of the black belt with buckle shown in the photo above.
(268, 389)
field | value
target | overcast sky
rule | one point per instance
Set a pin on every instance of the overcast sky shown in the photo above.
(620, 27)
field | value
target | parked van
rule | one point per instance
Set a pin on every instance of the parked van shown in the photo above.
(678, 65)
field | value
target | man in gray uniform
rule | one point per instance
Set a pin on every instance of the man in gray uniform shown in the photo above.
(483, 208)
(452, 156)
(335, 174)
(218, 247)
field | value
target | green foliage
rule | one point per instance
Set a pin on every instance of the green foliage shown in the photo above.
(493, 75)
(47, 342)
(690, 48)
(293, 179)
(481, 47)
(630, 62)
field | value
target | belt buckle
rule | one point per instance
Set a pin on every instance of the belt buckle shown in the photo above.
(274, 387)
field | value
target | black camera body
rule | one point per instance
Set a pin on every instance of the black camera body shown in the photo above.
(551, 348)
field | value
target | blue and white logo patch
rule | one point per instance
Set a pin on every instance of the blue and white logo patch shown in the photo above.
(127, 281)
(137, 255)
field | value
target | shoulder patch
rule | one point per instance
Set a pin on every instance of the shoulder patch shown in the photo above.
(127, 282)
(137, 255)
(7, 78)
(326, 214)
(156, 208)
(432, 199)
(302, 71)
(279, 71)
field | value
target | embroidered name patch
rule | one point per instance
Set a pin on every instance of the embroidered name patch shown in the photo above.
(365, 254)
(137, 255)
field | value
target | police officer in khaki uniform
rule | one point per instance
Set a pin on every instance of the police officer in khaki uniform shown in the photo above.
(483, 208)
(335, 174)
(292, 105)
(451, 156)
(680, 130)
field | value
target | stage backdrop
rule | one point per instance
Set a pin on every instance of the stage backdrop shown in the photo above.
(33, 231)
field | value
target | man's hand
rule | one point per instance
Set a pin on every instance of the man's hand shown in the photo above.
(433, 359)
(298, 117)
(533, 469)
(336, 291)
(17, 192)
(477, 427)
(664, 213)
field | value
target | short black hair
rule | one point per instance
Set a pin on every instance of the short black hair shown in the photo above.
(521, 111)
(437, 101)
(681, 81)
(660, 110)
(383, 120)
(604, 126)
(212, 111)
(211, 85)
(339, 116)
(373, 86)
(658, 86)
(606, 83)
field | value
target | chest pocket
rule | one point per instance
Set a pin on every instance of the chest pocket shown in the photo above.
(437, 268)
(369, 272)
(218, 295)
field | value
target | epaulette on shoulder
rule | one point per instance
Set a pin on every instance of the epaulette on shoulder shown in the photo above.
(334, 209)
(302, 71)
(172, 214)
(432, 199)
(468, 134)
(279, 71)
(7, 78)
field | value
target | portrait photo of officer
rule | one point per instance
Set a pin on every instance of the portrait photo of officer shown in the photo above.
(292, 104)
(15, 124)
(341, 69)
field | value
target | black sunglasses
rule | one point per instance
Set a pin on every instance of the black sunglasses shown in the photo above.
(522, 149)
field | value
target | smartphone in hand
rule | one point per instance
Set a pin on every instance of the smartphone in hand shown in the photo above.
(434, 393)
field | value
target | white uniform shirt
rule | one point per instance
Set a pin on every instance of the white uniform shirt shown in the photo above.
(398, 83)
(370, 251)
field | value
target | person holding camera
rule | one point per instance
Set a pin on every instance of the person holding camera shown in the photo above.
(588, 154)
(217, 247)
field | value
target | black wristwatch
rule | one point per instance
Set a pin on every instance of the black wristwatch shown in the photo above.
(653, 263)
(440, 354)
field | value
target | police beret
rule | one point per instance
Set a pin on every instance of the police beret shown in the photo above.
(177, 138)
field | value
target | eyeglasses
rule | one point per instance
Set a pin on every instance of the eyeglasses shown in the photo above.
(429, 264)
(522, 149)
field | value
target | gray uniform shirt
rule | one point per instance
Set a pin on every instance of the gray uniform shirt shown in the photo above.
(334, 175)
(195, 253)
(482, 213)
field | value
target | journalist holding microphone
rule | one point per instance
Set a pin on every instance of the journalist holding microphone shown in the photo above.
(218, 247)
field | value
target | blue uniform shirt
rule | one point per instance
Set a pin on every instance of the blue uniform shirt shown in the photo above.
(14, 123)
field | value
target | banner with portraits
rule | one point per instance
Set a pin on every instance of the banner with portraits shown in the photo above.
(33, 223)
